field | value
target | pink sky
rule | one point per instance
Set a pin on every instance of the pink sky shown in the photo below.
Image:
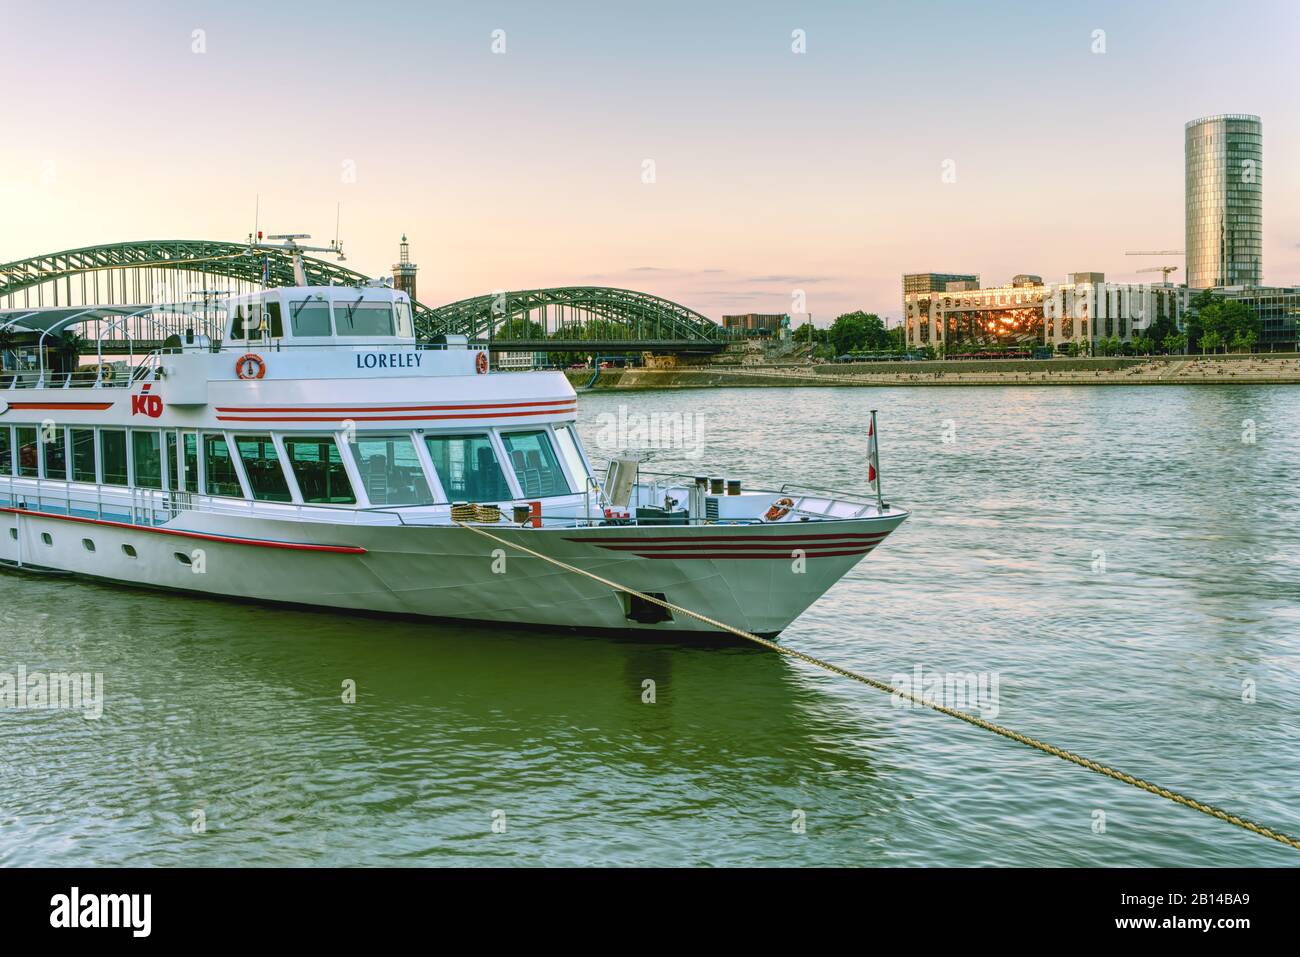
(775, 171)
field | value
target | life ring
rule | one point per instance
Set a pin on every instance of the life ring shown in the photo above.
(779, 510)
(481, 363)
(250, 366)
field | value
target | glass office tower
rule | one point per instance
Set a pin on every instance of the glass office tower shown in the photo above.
(1225, 201)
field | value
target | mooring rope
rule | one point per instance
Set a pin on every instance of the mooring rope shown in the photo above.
(879, 685)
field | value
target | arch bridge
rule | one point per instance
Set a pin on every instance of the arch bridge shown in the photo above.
(578, 319)
(179, 271)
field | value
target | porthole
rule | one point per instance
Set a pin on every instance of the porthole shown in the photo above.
(13, 533)
(183, 558)
(129, 551)
(47, 538)
(88, 544)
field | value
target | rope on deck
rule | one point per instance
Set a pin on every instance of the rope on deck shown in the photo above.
(1064, 755)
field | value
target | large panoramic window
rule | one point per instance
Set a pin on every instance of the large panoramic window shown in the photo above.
(83, 456)
(28, 452)
(262, 465)
(112, 450)
(146, 456)
(318, 467)
(309, 318)
(535, 464)
(56, 455)
(390, 470)
(468, 468)
(359, 318)
(219, 476)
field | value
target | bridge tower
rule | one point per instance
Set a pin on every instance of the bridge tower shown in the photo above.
(404, 269)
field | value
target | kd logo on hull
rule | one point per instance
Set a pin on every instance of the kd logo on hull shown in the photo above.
(150, 405)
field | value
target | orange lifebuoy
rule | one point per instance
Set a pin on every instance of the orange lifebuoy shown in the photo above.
(250, 366)
(481, 363)
(779, 510)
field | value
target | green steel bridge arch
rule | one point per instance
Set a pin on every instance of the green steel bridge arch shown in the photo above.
(236, 261)
(576, 318)
(565, 318)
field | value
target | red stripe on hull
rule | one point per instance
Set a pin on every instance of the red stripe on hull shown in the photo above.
(57, 406)
(257, 542)
(389, 418)
(395, 408)
(809, 547)
(768, 556)
(692, 539)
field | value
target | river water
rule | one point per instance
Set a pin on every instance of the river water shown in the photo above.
(1120, 566)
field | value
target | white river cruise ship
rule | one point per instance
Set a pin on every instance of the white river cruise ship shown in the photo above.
(309, 450)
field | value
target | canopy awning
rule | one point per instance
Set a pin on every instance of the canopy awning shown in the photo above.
(54, 319)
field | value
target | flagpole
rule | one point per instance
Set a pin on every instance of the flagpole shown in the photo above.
(874, 463)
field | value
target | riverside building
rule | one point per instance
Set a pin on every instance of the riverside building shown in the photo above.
(1028, 312)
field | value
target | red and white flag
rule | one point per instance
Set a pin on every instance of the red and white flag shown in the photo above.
(873, 456)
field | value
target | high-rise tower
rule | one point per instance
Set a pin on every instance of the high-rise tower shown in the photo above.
(404, 269)
(1225, 200)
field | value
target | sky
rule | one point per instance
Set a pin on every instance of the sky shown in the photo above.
(683, 149)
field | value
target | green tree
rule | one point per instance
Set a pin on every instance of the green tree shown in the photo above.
(1227, 319)
(855, 331)
(1175, 343)
(1210, 342)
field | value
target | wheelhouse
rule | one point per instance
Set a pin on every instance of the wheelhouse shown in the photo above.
(317, 316)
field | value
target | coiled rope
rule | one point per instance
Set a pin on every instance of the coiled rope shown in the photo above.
(1064, 755)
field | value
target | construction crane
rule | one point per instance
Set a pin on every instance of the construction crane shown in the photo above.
(1165, 270)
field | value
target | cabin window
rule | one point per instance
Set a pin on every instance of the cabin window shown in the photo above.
(190, 444)
(56, 455)
(309, 318)
(28, 464)
(567, 439)
(262, 464)
(146, 455)
(390, 470)
(360, 318)
(468, 468)
(253, 319)
(173, 480)
(220, 477)
(318, 467)
(6, 452)
(112, 451)
(403, 311)
(535, 464)
(83, 456)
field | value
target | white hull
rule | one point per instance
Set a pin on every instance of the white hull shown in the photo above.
(759, 583)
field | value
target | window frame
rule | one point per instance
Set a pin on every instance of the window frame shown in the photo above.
(162, 461)
(580, 481)
(556, 455)
(331, 329)
(296, 487)
(100, 470)
(415, 437)
(94, 455)
(237, 464)
(232, 440)
(44, 467)
(494, 438)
